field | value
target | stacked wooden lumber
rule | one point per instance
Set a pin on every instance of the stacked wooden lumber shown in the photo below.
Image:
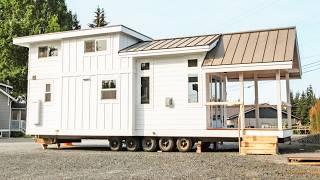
(259, 145)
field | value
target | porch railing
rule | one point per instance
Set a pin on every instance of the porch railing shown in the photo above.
(18, 125)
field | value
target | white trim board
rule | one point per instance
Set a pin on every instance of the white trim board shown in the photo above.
(248, 67)
(27, 40)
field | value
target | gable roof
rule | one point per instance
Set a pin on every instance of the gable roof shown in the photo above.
(27, 40)
(262, 46)
(172, 43)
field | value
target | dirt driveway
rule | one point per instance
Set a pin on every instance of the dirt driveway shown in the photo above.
(22, 159)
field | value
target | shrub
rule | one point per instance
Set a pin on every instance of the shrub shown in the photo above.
(314, 115)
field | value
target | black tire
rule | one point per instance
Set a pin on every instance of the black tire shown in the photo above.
(184, 144)
(133, 144)
(166, 144)
(115, 144)
(149, 144)
(44, 146)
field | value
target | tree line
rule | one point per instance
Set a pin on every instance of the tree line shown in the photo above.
(31, 17)
(301, 103)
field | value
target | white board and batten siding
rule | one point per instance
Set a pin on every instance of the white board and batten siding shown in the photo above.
(169, 79)
(76, 78)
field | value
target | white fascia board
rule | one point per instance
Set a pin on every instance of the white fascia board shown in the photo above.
(27, 40)
(248, 67)
(169, 51)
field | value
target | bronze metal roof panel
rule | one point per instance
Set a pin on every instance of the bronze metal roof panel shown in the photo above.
(264, 46)
(180, 42)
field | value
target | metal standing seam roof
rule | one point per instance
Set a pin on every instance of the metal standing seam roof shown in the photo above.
(273, 45)
(181, 42)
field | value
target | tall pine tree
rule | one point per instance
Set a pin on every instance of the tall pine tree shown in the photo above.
(99, 19)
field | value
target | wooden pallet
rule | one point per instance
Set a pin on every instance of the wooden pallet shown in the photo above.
(313, 161)
(259, 145)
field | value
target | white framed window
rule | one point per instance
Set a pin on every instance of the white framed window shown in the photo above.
(48, 93)
(193, 89)
(91, 46)
(47, 51)
(108, 90)
(145, 66)
(145, 90)
(193, 63)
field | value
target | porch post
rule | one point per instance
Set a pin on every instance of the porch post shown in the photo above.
(241, 114)
(279, 102)
(225, 99)
(256, 101)
(288, 101)
(205, 87)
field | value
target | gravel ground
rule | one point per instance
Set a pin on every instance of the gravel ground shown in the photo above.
(22, 159)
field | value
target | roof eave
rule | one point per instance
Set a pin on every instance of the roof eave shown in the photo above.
(27, 40)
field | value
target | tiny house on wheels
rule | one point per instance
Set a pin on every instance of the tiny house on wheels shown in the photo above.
(115, 83)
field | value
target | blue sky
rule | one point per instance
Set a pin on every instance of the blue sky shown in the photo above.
(168, 18)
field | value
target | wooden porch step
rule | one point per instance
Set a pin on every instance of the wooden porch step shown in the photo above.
(259, 145)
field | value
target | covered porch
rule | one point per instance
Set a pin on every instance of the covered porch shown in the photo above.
(255, 56)
(217, 103)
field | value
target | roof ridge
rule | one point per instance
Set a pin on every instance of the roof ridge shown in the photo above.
(260, 30)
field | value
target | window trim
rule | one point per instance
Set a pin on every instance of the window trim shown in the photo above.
(109, 89)
(95, 45)
(199, 85)
(193, 60)
(149, 93)
(48, 51)
(48, 92)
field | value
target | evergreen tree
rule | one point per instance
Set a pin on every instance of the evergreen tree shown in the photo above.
(100, 19)
(23, 18)
(53, 25)
(75, 22)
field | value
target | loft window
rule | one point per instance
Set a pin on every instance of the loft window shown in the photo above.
(192, 63)
(46, 51)
(48, 93)
(101, 45)
(108, 90)
(89, 46)
(193, 93)
(95, 45)
(145, 90)
(145, 66)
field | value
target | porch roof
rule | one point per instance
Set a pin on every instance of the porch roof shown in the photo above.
(262, 46)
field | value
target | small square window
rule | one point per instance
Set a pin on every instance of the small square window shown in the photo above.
(145, 66)
(47, 97)
(101, 45)
(89, 46)
(192, 63)
(43, 52)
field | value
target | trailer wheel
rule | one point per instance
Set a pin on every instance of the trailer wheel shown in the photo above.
(149, 144)
(133, 144)
(166, 144)
(184, 144)
(115, 144)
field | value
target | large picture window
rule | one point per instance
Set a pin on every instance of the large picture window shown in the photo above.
(145, 90)
(193, 93)
(108, 89)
